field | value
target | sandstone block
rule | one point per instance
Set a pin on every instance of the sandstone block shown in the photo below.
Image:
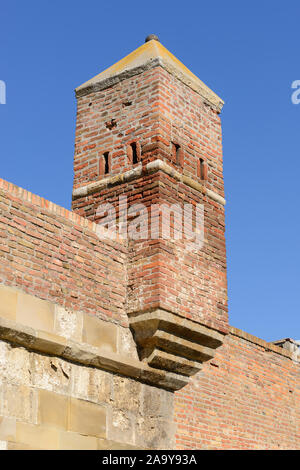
(99, 333)
(68, 323)
(8, 303)
(19, 402)
(7, 428)
(105, 444)
(37, 437)
(87, 418)
(35, 312)
(53, 409)
(74, 441)
(120, 426)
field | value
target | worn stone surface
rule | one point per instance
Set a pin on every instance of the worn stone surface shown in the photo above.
(8, 303)
(99, 333)
(65, 400)
(126, 394)
(34, 312)
(7, 428)
(3, 445)
(87, 418)
(37, 437)
(68, 323)
(88, 355)
(121, 426)
(75, 441)
(155, 434)
(53, 409)
(18, 401)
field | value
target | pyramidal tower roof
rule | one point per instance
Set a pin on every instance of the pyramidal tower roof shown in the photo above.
(151, 54)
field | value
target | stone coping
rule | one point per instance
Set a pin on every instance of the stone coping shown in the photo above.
(151, 167)
(264, 344)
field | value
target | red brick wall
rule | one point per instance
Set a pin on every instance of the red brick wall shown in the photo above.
(247, 397)
(162, 112)
(154, 109)
(109, 120)
(56, 255)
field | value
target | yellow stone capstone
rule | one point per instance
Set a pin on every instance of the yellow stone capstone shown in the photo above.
(153, 53)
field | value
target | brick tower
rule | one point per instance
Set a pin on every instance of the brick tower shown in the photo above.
(149, 129)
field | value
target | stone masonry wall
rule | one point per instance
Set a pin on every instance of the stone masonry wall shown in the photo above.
(50, 403)
(246, 397)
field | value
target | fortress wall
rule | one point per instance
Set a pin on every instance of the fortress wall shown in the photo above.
(56, 255)
(50, 402)
(246, 397)
(70, 376)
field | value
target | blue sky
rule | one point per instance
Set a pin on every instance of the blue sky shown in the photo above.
(247, 52)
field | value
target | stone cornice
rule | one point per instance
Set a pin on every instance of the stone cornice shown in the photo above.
(88, 355)
(264, 344)
(151, 167)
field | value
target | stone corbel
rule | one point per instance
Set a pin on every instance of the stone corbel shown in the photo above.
(173, 343)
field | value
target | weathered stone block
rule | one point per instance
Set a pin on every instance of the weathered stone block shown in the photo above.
(156, 402)
(35, 312)
(7, 428)
(99, 333)
(126, 393)
(20, 446)
(105, 444)
(152, 433)
(19, 402)
(68, 323)
(8, 303)
(53, 409)
(51, 373)
(120, 426)
(3, 445)
(162, 360)
(126, 343)
(37, 437)
(15, 364)
(74, 441)
(87, 418)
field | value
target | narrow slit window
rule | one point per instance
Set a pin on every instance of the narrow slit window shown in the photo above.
(106, 162)
(134, 153)
(176, 153)
(202, 172)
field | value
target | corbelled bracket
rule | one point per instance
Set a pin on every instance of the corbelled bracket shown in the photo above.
(173, 343)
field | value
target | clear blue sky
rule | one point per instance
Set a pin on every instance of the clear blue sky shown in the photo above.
(247, 52)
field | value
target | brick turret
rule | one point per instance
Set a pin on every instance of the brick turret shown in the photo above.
(149, 129)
